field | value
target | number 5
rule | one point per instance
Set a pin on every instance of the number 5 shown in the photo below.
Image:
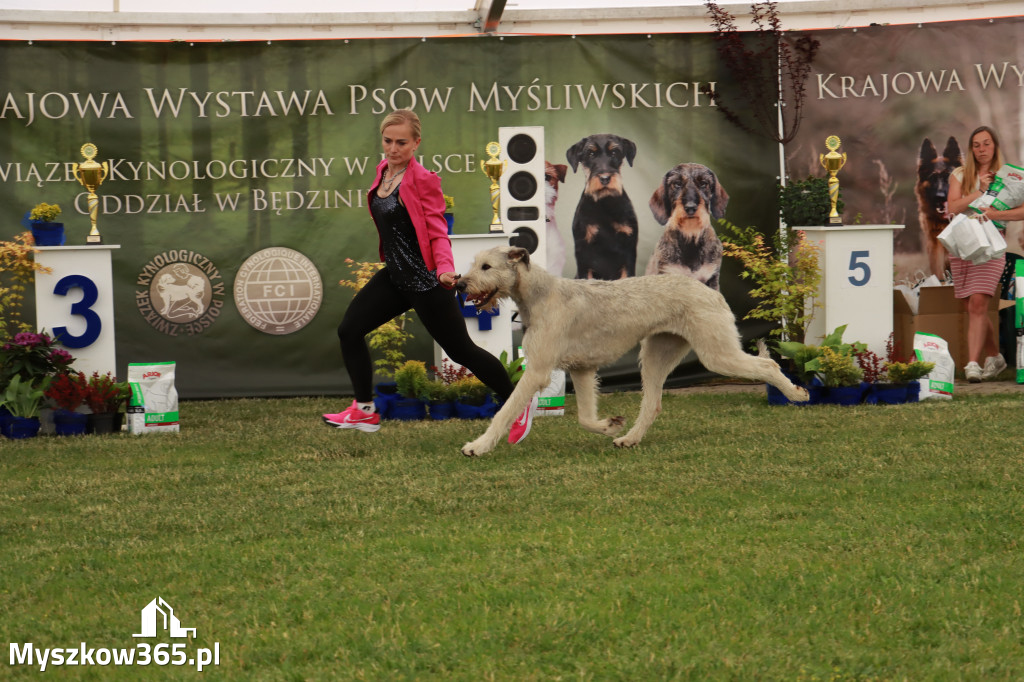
(857, 264)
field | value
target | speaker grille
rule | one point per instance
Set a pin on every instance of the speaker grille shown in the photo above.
(522, 213)
(521, 148)
(522, 185)
(525, 238)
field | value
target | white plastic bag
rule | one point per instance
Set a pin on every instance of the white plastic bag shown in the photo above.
(153, 406)
(996, 243)
(965, 237)
(939, 382)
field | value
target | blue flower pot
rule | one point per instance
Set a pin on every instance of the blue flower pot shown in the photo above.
(67, 423)
(888, 394)
(408, 409)
(387, 393)
(442, 409)
(23, 427)
(844, 395)
(47, 234)
(450, 219)
(485, 410)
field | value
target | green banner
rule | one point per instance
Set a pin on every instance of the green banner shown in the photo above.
(238, 172)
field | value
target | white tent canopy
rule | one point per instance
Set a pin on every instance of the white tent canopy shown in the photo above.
(215, 20)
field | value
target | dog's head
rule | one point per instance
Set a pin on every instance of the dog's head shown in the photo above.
(554, 173)
(602, 157)
(493, 275)
(689, 191)
(933, 175)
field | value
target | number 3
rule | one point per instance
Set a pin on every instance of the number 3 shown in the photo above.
(83, 308)
(857, 264)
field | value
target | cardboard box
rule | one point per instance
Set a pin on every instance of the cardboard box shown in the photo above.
(941, 313)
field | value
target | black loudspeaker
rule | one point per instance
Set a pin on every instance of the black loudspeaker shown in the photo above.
(523, 213)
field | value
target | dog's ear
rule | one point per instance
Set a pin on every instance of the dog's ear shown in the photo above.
(630, 148)
(518, 254)
(926, 159)
(560, 169)
(719, 200)
(572, 155)
(954, 157)
(657, 204)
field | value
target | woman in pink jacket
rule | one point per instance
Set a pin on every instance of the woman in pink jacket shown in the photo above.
(407, 206)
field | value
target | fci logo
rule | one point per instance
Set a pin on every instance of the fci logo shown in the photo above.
(158, 611)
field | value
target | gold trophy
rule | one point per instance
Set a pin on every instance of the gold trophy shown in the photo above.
(493, 168)
(833, 162)
(91, 175)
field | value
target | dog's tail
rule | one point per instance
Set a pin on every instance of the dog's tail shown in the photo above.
(762, 349)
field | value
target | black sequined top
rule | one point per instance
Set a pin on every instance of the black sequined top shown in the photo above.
(401, 249)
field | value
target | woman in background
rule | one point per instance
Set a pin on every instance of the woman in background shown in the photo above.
(977, 284)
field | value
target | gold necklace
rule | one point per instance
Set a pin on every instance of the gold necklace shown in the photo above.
(389, 183)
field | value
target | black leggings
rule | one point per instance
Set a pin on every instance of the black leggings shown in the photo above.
(438, 309)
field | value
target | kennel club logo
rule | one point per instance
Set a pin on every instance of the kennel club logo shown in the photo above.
(278, 290)
(180, 292)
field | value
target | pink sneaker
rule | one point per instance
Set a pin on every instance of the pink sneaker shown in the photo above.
(354, 418)
(521, 426)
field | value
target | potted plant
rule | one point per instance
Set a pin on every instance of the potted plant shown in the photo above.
(42, 221)
(18, 267)
(474, 399)
(785, 274)
(907, 375)
(806, 202)
(67, 391)
(841, 376)
(413, 389)
(449, 212)
(106, 397)
(23, 399)
(440, 399)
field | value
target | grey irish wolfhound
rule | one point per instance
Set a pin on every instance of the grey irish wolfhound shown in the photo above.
(581, 325)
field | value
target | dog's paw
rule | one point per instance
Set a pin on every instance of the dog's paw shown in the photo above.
(625, 442)
(475, 448)
(613, 425)
(802, 396)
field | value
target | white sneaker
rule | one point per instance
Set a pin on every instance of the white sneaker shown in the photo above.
(973, 372)
(994, 364)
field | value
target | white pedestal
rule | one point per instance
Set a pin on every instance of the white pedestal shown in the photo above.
(499, 337)
(76, 302)
(856, 283)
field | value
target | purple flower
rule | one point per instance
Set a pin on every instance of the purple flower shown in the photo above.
(59, 356)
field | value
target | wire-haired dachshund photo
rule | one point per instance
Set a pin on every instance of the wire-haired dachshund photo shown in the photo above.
(686, 201)
(604, 228)
(932, 190)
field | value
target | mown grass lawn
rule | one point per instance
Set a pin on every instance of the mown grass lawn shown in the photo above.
(738, 542)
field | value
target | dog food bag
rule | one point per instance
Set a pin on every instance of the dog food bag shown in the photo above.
(1018, 279)
(153, 407)
(551, 399)
(939, 382)
(1005, 192)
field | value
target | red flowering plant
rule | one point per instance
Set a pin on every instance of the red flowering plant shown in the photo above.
(32, 356)
(68, 390)
(104, 393)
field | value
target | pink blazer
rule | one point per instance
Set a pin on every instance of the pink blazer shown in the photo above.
(421, 195)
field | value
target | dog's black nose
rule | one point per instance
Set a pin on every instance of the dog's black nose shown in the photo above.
(460, 286)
